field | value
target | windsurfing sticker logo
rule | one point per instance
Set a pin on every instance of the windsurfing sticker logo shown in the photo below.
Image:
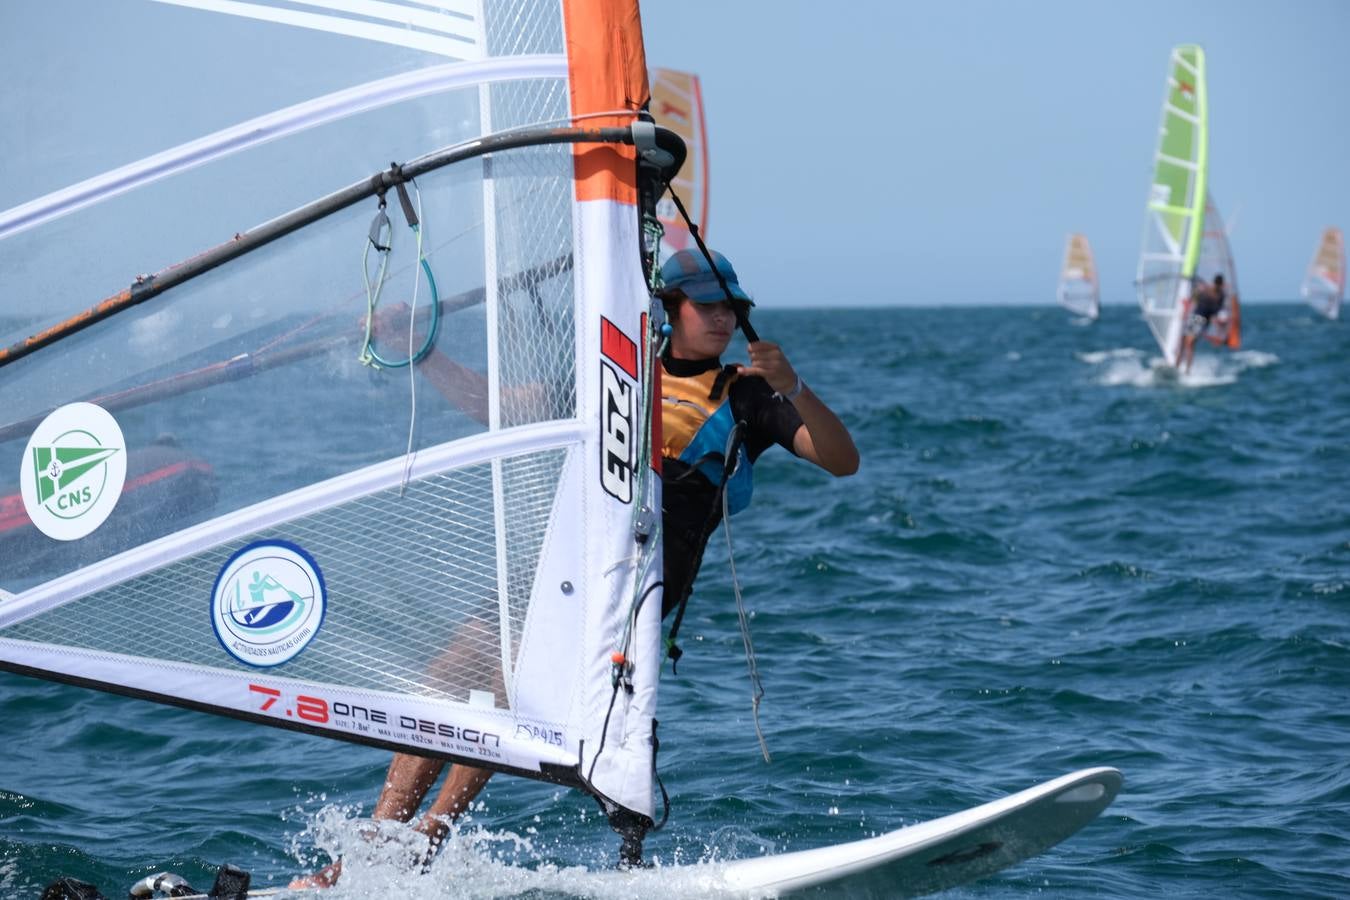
(268, 603)
(73, 470)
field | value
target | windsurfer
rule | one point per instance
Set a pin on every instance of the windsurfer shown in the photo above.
(703, 403)
(1207, 300)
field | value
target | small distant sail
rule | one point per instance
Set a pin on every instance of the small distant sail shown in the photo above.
(411, 492)
(1324, 285)
(1174, 212)
(1216, 258)
(1078, 288)
(677, 103)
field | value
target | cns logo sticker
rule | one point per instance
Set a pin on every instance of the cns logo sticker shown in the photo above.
(268, 603)
(73, 470)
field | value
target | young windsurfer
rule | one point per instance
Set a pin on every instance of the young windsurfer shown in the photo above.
(1207, 299)
(703, 402)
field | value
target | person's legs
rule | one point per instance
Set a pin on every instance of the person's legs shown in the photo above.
(1195, 325)
(461, 786)
(408, 780)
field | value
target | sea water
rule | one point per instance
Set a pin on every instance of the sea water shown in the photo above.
(1056, 555)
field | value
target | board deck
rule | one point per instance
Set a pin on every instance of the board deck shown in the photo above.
(938, 854)
(918, 859)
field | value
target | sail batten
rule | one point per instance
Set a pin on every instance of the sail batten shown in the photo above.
(1184, 115)
(445, 35)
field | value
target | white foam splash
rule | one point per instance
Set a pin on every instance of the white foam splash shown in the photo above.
(1121, 366)
(1132, 367)
(9, 886)
(1255, 359)
(1208, 371)
(1097, 357)
(382, 859)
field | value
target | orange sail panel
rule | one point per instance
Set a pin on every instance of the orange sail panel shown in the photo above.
(607, 71)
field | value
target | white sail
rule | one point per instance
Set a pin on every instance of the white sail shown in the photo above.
(1324, 283)
(207, 499)
(1078, 289)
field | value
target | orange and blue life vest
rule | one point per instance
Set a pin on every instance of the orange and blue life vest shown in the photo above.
(699, 428)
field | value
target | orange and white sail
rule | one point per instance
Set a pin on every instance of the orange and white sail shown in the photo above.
(1216, 258)
(1324, 283)
(1078, 287)
(450, 553)
(677, 103)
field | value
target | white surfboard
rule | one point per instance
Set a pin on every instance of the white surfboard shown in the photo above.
(938, 854)
(910, 862)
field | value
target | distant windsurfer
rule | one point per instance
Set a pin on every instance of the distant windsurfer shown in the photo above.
(1207, 300)
(703, 403)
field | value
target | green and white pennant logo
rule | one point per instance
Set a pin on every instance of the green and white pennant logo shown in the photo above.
(73, 471)
(60, 467)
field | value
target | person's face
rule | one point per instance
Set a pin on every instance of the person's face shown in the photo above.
(701, 330)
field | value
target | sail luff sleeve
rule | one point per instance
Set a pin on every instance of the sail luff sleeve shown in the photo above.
(608, 73)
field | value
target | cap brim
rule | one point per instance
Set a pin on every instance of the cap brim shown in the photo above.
(708, 290)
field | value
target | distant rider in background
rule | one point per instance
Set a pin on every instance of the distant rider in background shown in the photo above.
(1206, 301)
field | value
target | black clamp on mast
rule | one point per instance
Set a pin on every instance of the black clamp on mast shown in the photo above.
(661, 152)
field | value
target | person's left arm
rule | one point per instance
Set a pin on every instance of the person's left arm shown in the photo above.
(822, 438)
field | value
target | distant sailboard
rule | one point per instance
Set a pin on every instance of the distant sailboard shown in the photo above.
(677, 103)
(1175, 209)
(1078, 288)
(1324, 284)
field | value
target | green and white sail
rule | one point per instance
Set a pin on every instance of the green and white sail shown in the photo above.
(1175, 211)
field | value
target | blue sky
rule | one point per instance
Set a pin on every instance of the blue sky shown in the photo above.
(937, 153)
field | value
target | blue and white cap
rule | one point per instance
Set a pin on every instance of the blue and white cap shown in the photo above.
(688, 272)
